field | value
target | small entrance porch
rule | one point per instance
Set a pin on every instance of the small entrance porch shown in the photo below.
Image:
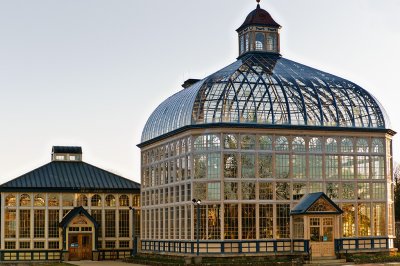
(79, 235)
(316, 217)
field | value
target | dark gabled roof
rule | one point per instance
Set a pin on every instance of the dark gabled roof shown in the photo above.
(70, 177)
(259, 17)
(67, 149)
(308, 200)
(73, 213)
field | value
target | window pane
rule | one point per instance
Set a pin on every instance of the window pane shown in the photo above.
(282, 165)
(39, 224)
(248, 142)
(265, 165)
(249, 221)
(283, 220)
(331, 167)
(53, 223)
(364, 219)
(230, 166)
(315, 166)
(248, 190)
(266, 221)
(24, 223)
(10, 226)
(349, 227)
(266, 191)
(248, 165)
(110, 223)
(231, 221)
(123, 223)
(299, 166)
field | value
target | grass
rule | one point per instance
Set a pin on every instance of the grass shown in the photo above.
(213, 261)
(37, 263)
(373, 258)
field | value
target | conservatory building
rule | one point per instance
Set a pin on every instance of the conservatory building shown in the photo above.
(267, 156)
(68, 210)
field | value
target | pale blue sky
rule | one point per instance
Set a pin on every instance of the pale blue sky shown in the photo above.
(90, 72)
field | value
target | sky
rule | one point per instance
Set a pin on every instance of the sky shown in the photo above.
(90, 72)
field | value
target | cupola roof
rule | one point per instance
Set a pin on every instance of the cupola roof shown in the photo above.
(259, 17)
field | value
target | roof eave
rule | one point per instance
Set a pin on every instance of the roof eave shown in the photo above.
(261, 126)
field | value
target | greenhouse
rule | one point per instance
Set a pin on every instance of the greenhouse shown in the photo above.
(267, 156)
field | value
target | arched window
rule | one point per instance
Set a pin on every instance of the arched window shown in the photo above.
(11, 200)
(247, 44)
(265, 143)
(96, 201)
(331, 145)
(177, 148)
(298, 144)
(281, 144)
(315, 145)
(53, 200)
(260, 40)
(377, 146)
(362, 145)
(271, 42)
(123, 200)
(68, 199)
(183, 146)
(110, 201)
(39, 200)
(241, 44)
(346, 145)
(25, 200)
(82, 200)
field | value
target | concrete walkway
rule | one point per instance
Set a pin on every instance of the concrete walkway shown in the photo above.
(104, 262)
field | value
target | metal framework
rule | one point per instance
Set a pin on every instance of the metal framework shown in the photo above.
(266, 89)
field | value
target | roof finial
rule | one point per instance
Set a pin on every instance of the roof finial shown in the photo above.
(258, 3)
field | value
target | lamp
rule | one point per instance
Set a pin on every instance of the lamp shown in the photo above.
(197, 202)
(134, 239)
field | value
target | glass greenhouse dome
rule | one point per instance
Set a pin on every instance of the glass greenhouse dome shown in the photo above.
(267, 156)
(266, 89)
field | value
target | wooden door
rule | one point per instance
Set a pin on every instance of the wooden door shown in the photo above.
(80, 246)
(322, 236)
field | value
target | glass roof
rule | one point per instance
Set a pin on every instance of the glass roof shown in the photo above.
(266, 89)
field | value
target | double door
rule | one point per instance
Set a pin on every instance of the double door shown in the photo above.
(322, 236)
(80, 246)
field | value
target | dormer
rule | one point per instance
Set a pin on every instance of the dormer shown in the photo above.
(66, 153)
(259, 33)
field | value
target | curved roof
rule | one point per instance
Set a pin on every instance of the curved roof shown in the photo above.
(259, 17)
(264, 89)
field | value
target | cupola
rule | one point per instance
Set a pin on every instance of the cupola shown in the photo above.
(66, 153)
(259, 33)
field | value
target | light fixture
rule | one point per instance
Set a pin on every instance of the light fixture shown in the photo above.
(196, 201)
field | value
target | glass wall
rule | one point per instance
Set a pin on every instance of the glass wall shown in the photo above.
(249, 182)
(31, 220)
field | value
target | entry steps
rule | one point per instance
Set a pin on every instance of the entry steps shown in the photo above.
(327, 262)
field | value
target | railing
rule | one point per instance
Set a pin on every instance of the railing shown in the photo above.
(284, 246)
(345, 245)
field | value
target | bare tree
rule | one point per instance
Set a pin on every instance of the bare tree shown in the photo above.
(396, 181)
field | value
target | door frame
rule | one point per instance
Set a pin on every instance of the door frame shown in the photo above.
(322, 248)
(79, 222)
(83, 252)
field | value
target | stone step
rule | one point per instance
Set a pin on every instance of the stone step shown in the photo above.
(325, 262)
